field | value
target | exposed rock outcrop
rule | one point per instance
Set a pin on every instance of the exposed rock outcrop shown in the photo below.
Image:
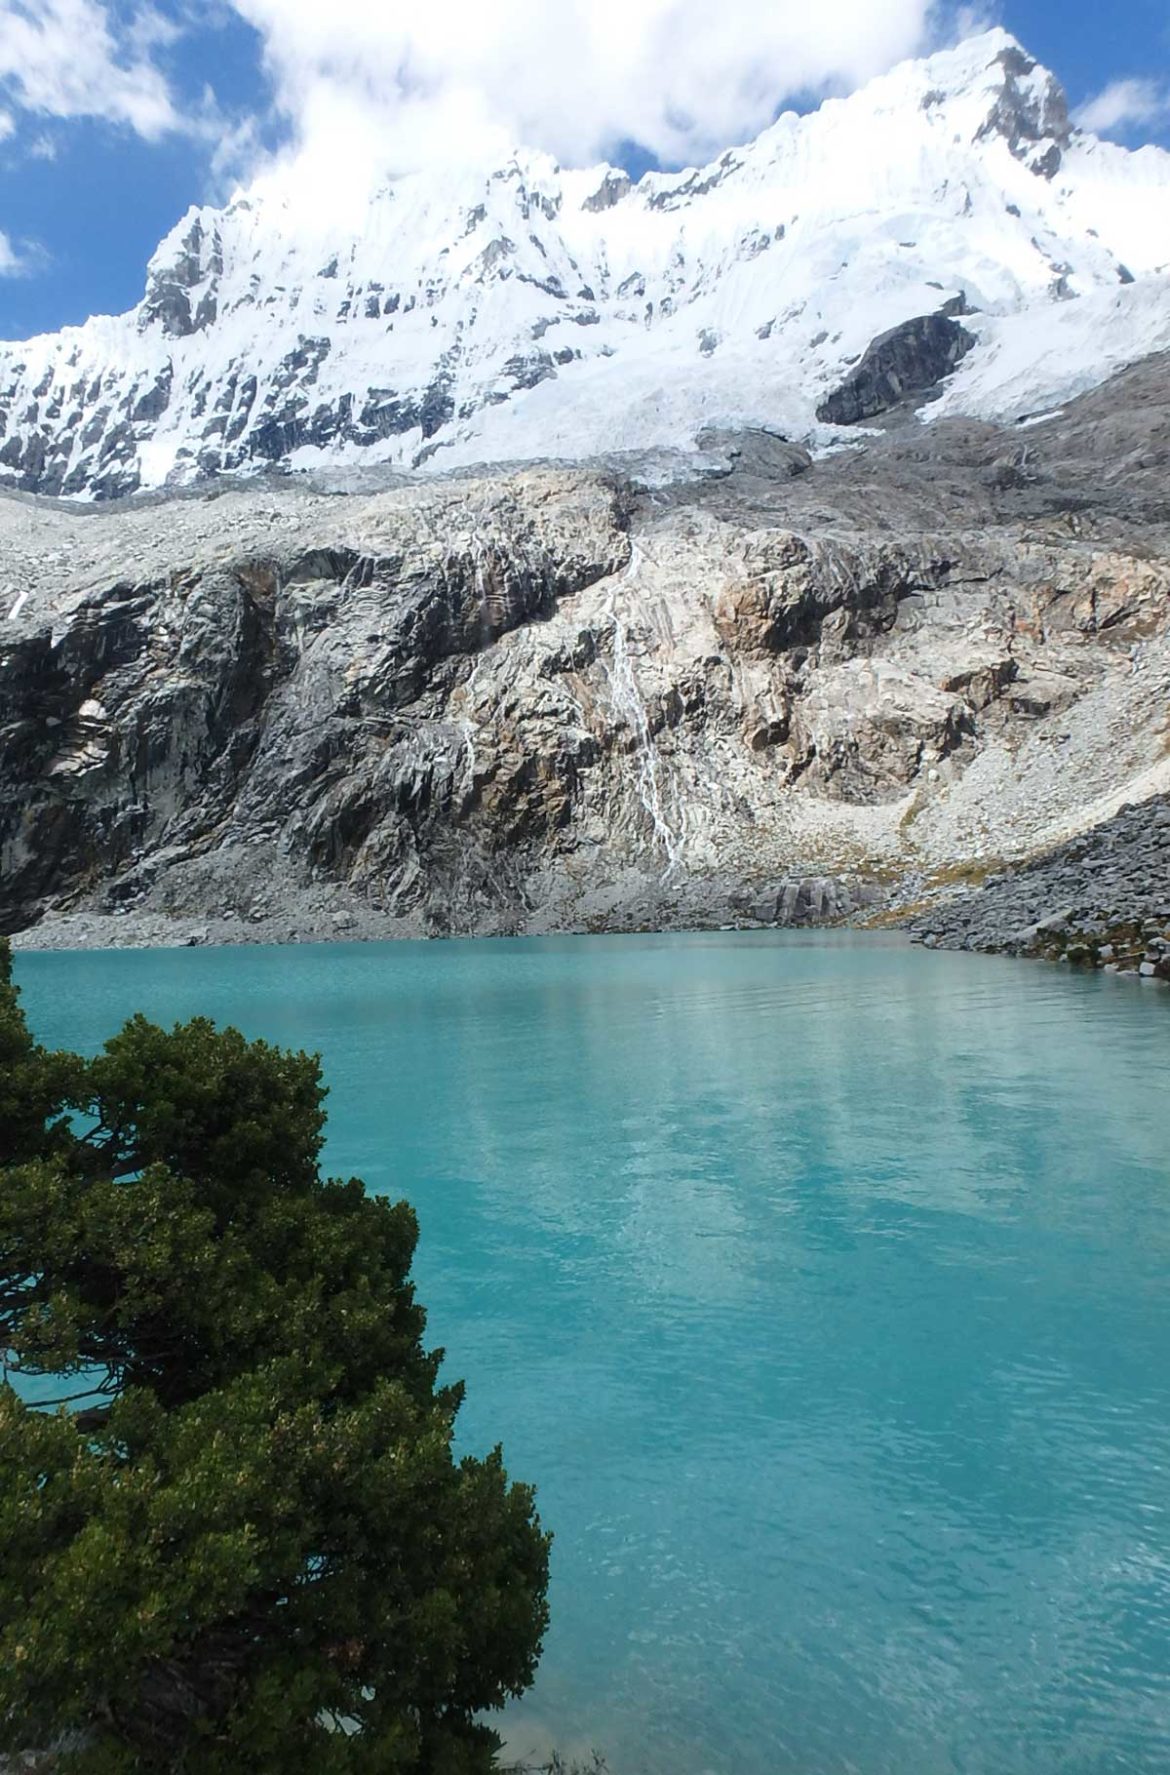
(1031, 114)
(910, 359)
(773, 692)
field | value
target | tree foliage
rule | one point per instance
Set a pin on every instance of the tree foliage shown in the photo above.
(236, 1538)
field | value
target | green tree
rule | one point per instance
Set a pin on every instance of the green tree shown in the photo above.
(236, 1537)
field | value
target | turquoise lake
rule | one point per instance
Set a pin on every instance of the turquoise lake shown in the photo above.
(822, 1287)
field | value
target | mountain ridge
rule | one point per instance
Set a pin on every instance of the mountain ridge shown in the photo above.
(525, 311)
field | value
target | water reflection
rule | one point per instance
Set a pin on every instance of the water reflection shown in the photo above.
(820, 1286)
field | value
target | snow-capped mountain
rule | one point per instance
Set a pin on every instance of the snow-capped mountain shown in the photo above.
(527, 311)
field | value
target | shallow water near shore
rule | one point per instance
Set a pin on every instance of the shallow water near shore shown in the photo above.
(819, 1283)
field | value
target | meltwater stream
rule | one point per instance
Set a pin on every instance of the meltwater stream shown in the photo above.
(821, 1286)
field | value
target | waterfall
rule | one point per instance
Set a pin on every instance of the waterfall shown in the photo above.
(628, 703)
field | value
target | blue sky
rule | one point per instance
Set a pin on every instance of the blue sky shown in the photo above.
(115, 115)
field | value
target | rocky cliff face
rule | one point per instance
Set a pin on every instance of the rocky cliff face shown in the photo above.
(556, 698)
(525, 311)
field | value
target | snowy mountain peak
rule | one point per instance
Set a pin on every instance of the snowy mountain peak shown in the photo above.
(1026, 105)
(524, 310)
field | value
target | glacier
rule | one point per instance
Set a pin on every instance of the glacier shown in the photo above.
(528, 312)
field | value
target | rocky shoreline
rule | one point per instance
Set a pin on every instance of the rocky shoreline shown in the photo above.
(636, 903)
(1100, 901)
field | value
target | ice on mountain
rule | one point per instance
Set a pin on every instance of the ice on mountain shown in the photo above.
(740, 294)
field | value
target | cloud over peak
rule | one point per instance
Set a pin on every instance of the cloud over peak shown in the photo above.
(1124, 105)
(681, 78)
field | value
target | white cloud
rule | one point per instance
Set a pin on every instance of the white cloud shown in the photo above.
(365, 87)
(968, 20)
(19, 261)
(71, 58)
(1125, 104)
(447, 78)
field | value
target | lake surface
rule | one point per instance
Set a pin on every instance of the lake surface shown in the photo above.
(821, 1286)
